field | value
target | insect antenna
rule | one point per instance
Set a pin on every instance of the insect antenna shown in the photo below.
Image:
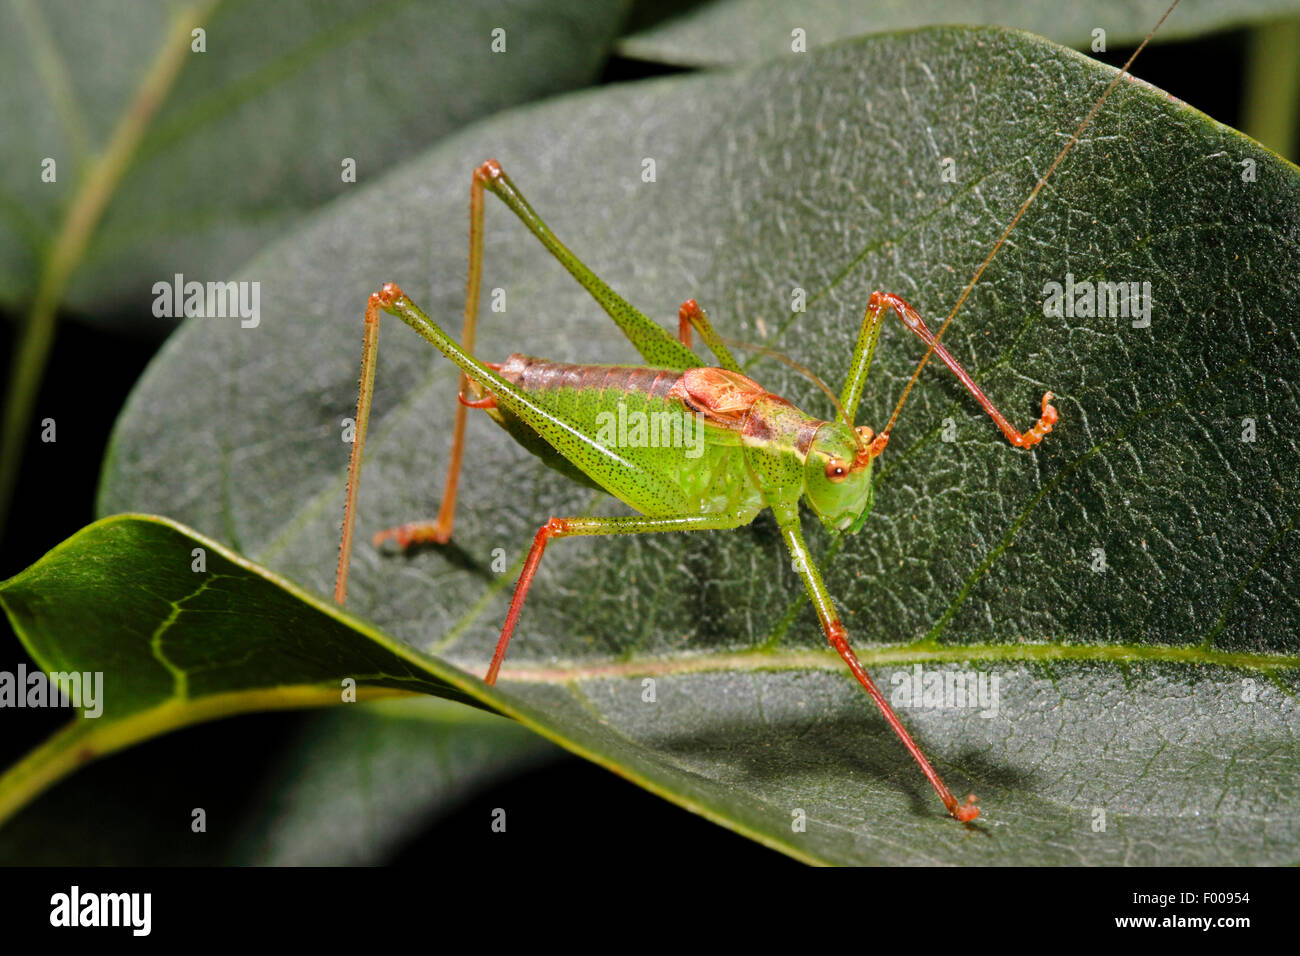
(801, 369)
(1033, 194)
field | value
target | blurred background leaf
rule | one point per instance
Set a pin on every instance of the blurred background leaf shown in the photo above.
(253, 131)
(727, 32)
(350, 786)
(720, 32)
(357, 786)
(183, 152)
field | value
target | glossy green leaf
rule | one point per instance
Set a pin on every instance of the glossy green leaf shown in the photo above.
(176, 636)
(1126, 582)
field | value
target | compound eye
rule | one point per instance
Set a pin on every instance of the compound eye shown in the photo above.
(837, 469)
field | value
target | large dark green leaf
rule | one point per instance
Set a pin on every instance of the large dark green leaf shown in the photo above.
(73, 611)
(1138, 690)
(734, 31)
(179, 637)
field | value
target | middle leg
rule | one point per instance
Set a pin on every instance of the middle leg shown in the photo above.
(569, 527)
(837, 636)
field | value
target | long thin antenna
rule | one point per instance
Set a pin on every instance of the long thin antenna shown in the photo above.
(1033, 194)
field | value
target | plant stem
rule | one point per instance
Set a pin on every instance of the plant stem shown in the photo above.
(93, 194)
(1271, 97)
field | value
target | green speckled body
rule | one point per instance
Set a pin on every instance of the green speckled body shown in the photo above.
(631, 411)
(703, 441)
(759, 450)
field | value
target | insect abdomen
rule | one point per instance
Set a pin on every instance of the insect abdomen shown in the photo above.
(542, 375)
(641, 414)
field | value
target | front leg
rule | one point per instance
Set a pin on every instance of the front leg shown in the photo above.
(838, 636)
(569, 527)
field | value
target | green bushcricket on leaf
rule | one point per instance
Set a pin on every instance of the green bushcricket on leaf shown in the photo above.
(1146, 707)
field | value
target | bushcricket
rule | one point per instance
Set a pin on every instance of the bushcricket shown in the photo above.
(758, 450)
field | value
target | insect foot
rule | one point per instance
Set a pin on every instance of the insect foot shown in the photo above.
(967, 811)
(413, 533)
(1045, 423)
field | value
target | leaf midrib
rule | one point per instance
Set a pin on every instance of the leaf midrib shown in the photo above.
(919, 652)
